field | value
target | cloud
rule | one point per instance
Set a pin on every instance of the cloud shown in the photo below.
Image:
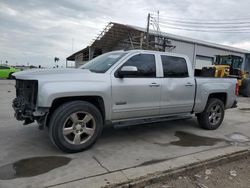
(35, 31)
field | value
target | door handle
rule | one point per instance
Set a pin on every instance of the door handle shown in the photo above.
(189, 84)
(154, 85)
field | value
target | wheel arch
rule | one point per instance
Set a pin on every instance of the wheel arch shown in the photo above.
(97, 101)
(221, 96)
(10, 75)
(210, 119)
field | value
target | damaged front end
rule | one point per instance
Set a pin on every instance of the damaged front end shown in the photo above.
(25, 102)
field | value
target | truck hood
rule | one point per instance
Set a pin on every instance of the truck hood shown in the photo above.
(67, 74)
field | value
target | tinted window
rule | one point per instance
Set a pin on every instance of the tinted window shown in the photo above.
(4, 67)
(145, 64)
(174, 67)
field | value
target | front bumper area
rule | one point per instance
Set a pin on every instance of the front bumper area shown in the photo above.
(23, 111)
(25, 102)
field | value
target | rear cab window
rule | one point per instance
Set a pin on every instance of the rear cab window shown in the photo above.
(174, 67)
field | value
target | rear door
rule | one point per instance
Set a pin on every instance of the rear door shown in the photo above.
(137, 96)
(178, 86)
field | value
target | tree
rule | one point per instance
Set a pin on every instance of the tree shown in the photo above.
(56, 59)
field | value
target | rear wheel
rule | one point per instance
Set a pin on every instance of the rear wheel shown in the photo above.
(75, 126)
(213, 114)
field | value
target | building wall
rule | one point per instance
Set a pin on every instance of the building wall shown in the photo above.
(78, 64)
(196, 52)
(193, 50)
(79, 59)
(182, 48)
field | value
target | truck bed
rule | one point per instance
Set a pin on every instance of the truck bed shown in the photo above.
(216, 85)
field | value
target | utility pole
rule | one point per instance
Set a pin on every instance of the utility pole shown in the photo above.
(158, 21)
(148, 24)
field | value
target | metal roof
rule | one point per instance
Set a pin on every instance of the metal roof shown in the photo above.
(114, 32)
(192, 40)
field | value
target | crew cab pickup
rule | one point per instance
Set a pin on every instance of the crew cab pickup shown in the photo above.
(118, 87)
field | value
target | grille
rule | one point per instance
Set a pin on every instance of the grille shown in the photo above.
(27, 91)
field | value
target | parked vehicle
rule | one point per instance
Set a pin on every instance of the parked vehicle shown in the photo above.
(230, 66)
(119, 87)
(6, 72)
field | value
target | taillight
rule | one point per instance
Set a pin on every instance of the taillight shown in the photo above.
(237, 88)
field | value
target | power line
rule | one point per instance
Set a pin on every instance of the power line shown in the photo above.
(201, 20)
(204, 22)
(199, 26)
(203, 26)
(207, 26)
(208, 31)
(207, 22)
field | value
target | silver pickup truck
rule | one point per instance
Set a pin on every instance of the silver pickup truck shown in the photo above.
(118, 87)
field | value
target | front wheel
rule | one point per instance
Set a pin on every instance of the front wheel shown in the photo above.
(213, 114)
(75, 126)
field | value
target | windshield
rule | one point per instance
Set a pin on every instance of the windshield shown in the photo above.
(234, 62)
(103, 62)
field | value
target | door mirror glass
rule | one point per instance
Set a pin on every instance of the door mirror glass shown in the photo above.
(127, 71)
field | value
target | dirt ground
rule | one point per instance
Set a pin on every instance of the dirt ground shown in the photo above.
(234, 174)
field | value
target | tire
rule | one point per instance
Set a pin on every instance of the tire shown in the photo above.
(75, 126)
(210, 118)
(246, 88)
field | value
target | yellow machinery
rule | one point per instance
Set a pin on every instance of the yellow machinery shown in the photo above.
(231, 66)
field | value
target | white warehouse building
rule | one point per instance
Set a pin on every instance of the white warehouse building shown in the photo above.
(124, 37)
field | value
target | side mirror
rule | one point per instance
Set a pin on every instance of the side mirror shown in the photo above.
(127, 71)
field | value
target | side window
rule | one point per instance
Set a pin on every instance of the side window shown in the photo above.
(145, 64)
(3, 67)
(174, 67)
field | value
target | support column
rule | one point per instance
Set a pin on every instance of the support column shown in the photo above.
(91, 53)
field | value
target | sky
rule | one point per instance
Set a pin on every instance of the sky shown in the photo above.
(33, 32)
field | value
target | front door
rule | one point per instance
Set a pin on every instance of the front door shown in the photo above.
(138, 95)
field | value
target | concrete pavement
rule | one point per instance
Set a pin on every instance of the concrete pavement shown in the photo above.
(119, 155)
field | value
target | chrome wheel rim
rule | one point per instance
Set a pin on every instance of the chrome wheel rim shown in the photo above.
(79, 127)
(214, 115)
